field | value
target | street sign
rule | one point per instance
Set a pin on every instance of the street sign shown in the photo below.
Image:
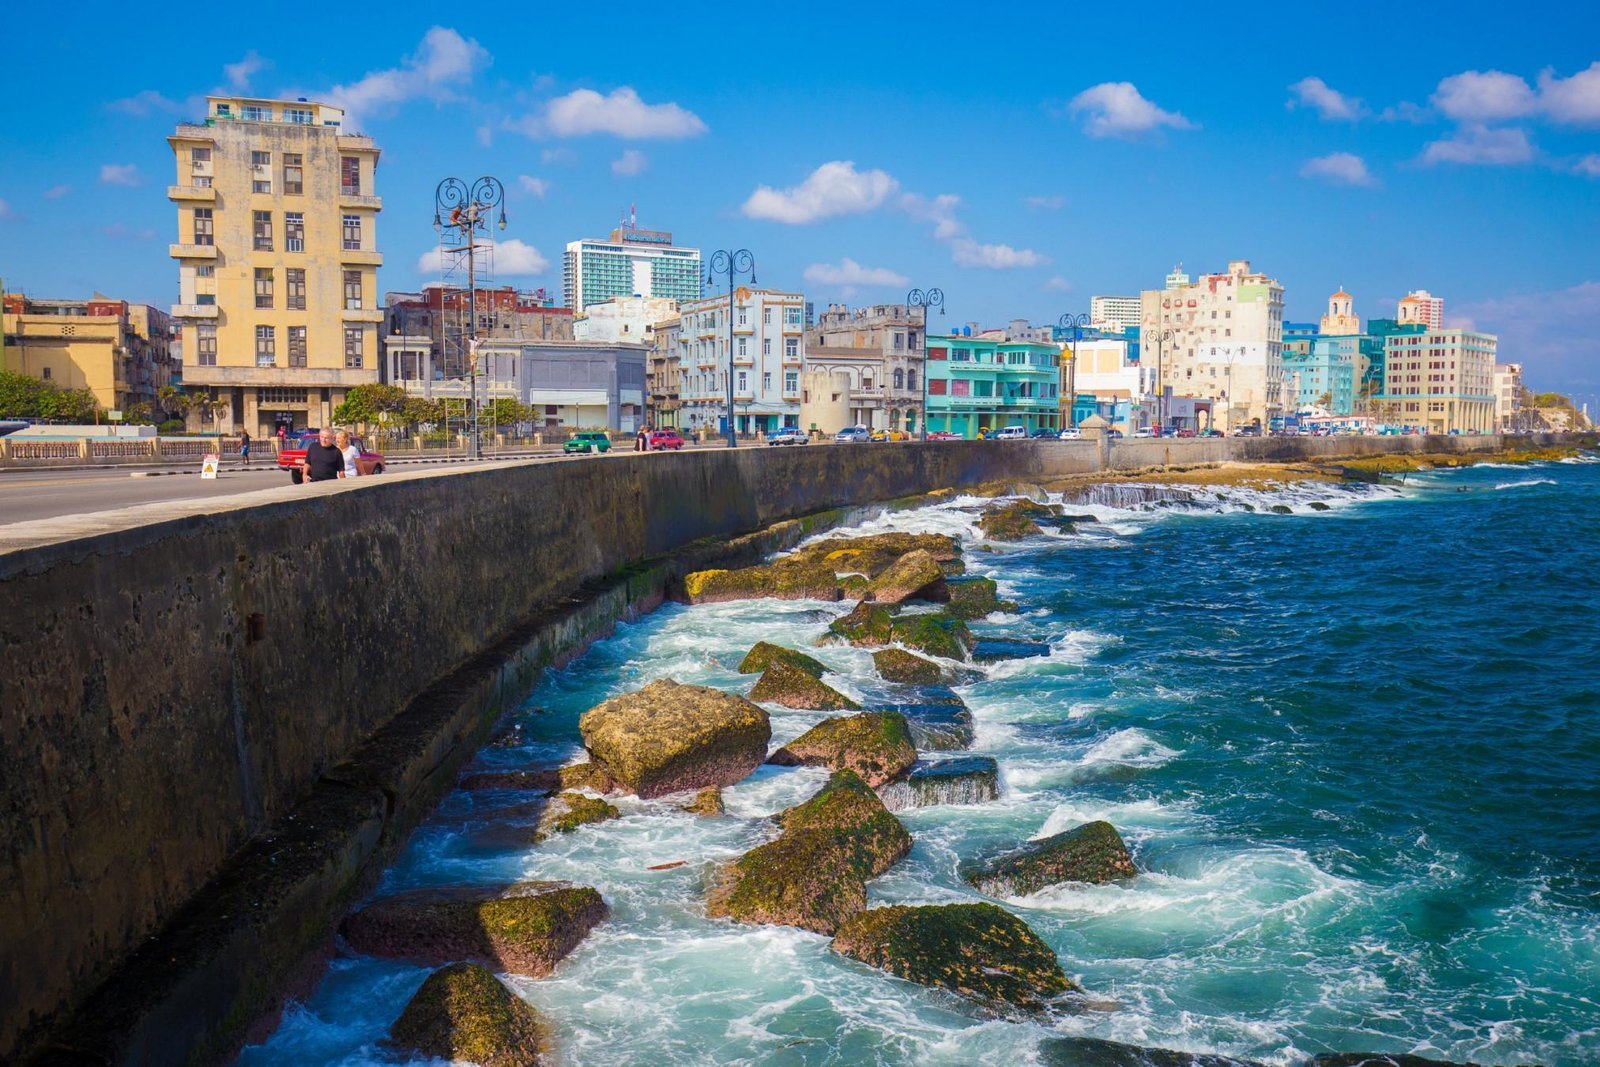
(114, 416)
(209, 465)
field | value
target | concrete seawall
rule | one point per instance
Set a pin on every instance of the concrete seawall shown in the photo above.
(174, 686)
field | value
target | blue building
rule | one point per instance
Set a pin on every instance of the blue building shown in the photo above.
(1322, 371)
(977, 383)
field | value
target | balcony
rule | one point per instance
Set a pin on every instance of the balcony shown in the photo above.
(349, 199)
(365, 256)
(192, 251)
(203, 193)
(362, 314)
(194, 311)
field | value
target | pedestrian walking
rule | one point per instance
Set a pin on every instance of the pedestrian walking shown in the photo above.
(641, 440)
(244, 446)
(324, 462)
(349, 452)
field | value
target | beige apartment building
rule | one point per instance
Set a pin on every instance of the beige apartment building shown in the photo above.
(1439, 381)
(120, 352)
(1218, 337)
(277, 259)
(1508, 396)
(879, 349)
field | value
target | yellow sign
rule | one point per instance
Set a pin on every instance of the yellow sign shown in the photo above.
(209, 465)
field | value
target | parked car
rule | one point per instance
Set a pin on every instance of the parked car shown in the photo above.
(1044, 434)
(1114, 433)
(890, 435)
(1186, 433)
(289, 459)
(1143, 432)
(1211, 431)
(1071, 433)
(589, 441)
(789, 435)
(668, 438)
(1012, 433)
(944, 435)
(853, 433)
(1247, 431)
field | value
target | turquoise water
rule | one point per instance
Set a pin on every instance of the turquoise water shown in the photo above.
(1353, 748)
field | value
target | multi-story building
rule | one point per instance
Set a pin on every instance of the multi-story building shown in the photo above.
(768, 355)
(1508, 396)
(623, 318)
(631, 262)
(277, 259)
(1439, 381)
(977, 383)
(880, 349)
(1341, 319)
(1218, 338)
(584, 385)
(1111, 379)
(664, 374)
(1113, 314)
(1373, 348)
(1321, 373)
(426, 334)
(1421, 307)
(120, 352)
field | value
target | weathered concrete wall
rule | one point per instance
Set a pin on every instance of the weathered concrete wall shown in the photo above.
(168, 690)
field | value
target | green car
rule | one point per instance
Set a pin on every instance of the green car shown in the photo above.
(587, 442)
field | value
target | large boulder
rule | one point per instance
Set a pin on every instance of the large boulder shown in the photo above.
(668, 737)
(790, 578)
(939, 726)
(814, 874)
(965, 780)
(763, 655)
(464, 1013)
(795, 687)
(875, 744)
(1016, 519)
(1097, 1052)
(934, 634)
(867, 624)
(706, 802)
(898, 665)
(1093, 852)
(1380, 1059)
(976, 950)
(525, 928)
(568, 811)
(914, 575)
(870, 554)
(973, 598)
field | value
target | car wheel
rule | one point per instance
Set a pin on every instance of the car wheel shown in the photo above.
(378, 469)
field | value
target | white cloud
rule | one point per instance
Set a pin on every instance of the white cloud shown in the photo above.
(1058, 284)
(1574, 100)
(443, 61)
(1476, 144)
(510, 258)
(622, 114)
(119, 174)
(1551, 333)
(969, 253)
(240, 73)
(848, 272)
(1404, 111)
(56, 192)
(1484, 96)
(147, 102)
(1327, 101)
(1044, 203)
(939, 210)
(548, 156)
(1341, 168)
(1588, 166)
(632, 161)
(833, 189)
(1115, 109)
(536, 187)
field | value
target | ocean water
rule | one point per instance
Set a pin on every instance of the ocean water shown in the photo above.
(1354, 750)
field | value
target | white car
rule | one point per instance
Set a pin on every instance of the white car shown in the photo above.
(1071, 434)
(1145, 432)
(789, 435)
(1012, 433)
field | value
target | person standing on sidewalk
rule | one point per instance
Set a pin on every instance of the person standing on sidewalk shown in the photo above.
(324, 462)
(244, 446)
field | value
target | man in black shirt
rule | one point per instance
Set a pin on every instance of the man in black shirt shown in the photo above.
(324, 462)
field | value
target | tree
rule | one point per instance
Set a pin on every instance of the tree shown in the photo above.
(22, 396)
(139, 413)
(504, 411)
(364, 403)
(174, 401)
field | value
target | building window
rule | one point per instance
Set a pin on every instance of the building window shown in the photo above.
(266, 346)
(294, 231)
(202, 226)
(744, 381)
(261, 185)
(202, 181)
(744, 317)
(791, 381)
(295, 284)
(48, 374)
(294, 174)
(899, 378)
(263, 231)
(350, 175)
(205, 343)
(911, 379)
(791, 348)
(264, 287)
(352, 233)
(744, 346)
(297, 346)
(355, 346)
(766, 381)
(766, 316)
(251, 113)
(200, 155)
(766, 346)
(352, 290)
(205, 270)
(261, 159)
(791, 316)
(936, 387)
(300, 116)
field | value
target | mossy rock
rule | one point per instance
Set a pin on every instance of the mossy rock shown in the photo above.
(964, 780)
(886, 547)
(568, 811)
(763, 654)
(977, 950)
(1282, 509)
(668, 737)
(791, 578)
(1083, 1051)
(1016, 519)
(706, 802)
(464, 1013)
(898, 665)
(525, 928)
(794, 687)
(1093, 853)
(875, 745)
(973, 598)
(934, 634)
(914, 575)
(867, 624)
(854, 586)
(588, 776)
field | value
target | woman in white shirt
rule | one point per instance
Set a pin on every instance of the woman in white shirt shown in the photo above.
(350, 452)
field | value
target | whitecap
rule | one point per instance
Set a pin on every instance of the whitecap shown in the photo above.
(1526, 482)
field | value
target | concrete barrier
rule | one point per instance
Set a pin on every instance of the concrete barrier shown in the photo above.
(173, 685)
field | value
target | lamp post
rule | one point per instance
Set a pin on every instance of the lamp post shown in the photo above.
(1160, 337)
(731, 262)
(465, 211)
(1074, 323)
(925, 299)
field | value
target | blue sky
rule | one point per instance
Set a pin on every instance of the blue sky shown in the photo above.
(1019, 157)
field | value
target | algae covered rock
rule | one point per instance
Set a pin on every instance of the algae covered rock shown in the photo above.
(568, 811)
(706, 802)
(1093, 852)
(794, 687)
(525, 928)
(763, 655)
(867, 624)
(915, 574)
(965, 780)
(939, 726)
(898, 665)
(586, 776)
(814, 874)
(464, 1013)
(1015, 520)
(875, 745)
(869, 554)
(790, 578)
(668, 737)
(973, 598)
(976, 950)
(934, 634)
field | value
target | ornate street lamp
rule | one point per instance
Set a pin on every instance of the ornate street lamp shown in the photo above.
(1074, 324)
(732, 262)
(1161, 337)
(465, 212)
(925, 299)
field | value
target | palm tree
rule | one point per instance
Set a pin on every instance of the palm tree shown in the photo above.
(175, 401)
